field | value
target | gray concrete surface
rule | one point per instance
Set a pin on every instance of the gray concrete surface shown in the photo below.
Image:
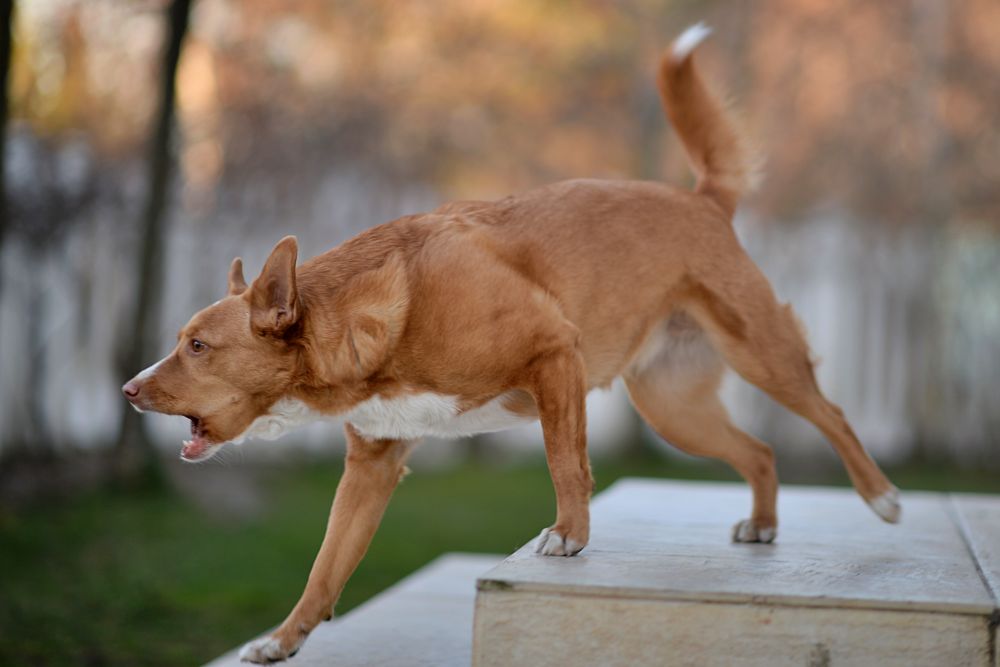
(423, 621)
(660, 583)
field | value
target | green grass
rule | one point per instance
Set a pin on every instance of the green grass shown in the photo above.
(114, 578)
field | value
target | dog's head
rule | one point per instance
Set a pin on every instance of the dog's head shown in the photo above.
(232, 359)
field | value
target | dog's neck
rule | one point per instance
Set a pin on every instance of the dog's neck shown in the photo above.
(349, 328)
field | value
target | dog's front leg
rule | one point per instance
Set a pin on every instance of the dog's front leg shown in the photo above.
(372, 470)
(560, 393)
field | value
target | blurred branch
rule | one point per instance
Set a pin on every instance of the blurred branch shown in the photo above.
(134, 455)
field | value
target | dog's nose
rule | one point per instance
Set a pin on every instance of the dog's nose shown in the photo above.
(130, 389)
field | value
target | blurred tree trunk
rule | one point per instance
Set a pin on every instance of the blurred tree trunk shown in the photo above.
(134, 456)
(6, 28)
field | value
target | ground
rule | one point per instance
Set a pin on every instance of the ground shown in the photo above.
(156, 579)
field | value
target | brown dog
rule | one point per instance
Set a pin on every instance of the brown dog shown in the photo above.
(480, 315)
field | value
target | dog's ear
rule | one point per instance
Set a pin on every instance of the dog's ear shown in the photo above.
(374, 307)
(237, 283)
(274, 302)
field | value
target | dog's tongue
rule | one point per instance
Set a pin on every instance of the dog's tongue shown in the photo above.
(194, 448)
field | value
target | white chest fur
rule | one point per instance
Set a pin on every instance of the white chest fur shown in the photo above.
(404, 417)
(421, 415)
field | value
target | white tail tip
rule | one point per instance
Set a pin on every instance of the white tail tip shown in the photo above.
(689, 39)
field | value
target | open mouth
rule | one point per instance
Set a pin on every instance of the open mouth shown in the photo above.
(198, 447)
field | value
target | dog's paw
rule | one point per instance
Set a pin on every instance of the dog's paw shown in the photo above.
(748, 531)
(887, 506)
(265, 650)
(552, 543)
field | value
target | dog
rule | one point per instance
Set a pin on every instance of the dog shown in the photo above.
(485, 314)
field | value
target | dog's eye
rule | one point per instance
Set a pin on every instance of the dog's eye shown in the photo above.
(197, 346)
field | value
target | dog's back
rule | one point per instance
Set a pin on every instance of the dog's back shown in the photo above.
(611, 251)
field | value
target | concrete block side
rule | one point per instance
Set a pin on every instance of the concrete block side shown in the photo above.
(996, 645)
(552, 629)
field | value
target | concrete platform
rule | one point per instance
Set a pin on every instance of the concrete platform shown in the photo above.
(423, 621)
(660, 583)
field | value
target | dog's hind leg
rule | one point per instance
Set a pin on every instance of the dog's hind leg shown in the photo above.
(676, 393)
(372, 470)
(763, 341)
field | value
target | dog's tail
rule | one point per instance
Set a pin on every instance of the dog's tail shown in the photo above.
(721, 159)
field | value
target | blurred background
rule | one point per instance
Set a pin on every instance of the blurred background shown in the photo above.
(148, 142)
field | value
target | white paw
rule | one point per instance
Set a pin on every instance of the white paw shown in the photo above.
(887, 505)
(264, 650)
(747, 531)
(551, 543)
